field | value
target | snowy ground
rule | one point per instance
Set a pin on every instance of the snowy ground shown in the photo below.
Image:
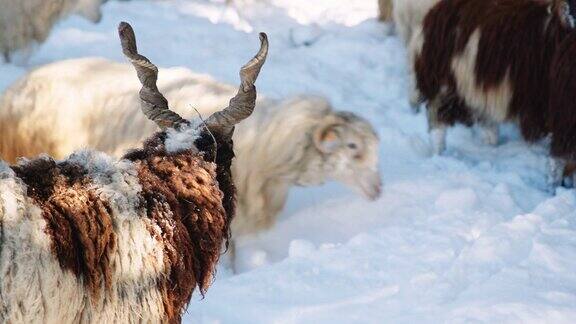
(472, 236)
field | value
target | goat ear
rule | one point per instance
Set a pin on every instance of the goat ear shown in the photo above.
(327, 138)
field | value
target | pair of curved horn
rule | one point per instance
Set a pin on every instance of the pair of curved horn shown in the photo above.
(155, 105)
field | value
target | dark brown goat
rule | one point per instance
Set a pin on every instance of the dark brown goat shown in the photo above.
(103, 241)
(488, 61)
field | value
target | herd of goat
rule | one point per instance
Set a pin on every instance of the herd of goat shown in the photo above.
(126, 230)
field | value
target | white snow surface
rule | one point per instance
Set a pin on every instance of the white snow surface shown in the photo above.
(472, 236)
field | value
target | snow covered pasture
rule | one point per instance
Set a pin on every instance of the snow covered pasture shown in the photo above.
(472, 236)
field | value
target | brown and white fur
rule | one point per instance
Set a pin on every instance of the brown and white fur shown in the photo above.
(488, 62)
(92, 239)
(24, 22)
(299, 141)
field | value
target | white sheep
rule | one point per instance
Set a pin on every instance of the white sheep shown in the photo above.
(299, 141)
(90, 239)
(24, 22)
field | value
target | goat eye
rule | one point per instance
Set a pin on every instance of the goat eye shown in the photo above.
(352, 146)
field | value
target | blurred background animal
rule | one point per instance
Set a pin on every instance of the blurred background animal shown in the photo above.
(385, 10)
(489, 62)
(25, 22)
(299, 141)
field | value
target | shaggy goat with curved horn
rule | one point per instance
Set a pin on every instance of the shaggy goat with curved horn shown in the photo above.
(90, 239)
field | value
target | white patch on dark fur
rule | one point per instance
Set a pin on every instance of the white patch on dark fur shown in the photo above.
(491, 104)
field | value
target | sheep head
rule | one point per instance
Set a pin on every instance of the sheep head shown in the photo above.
(339, 146)
(349, 148)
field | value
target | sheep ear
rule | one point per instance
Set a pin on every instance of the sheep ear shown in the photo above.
(327, 138)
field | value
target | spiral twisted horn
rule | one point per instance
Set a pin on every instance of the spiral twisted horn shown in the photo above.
(153, 103)
(242, 105)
